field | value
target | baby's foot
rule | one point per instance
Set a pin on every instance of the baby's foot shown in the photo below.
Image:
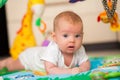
(2, 64)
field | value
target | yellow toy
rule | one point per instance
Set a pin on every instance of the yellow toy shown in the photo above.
(25, 37)
(109, 15)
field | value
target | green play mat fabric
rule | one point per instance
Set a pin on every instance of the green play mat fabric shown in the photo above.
(102, 68)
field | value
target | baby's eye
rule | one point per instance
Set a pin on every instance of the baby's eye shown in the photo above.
(65, 35)
(77, 36)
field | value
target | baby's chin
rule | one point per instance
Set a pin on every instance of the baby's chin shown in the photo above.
(70, 51)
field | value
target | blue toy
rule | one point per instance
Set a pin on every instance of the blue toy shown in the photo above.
(73, 1)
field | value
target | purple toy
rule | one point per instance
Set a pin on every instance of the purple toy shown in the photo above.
(45, 43)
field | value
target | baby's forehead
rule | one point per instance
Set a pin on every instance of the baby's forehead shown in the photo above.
(66, 26)
(62, 20)
(69, 20)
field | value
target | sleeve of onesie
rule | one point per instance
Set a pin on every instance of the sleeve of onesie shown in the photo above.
(51, 54)
(82, 56)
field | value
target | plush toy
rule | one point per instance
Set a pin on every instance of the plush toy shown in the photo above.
(2, 2)
(109, 15)
(25, 37)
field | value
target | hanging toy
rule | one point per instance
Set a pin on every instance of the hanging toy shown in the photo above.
(41, 25)
(2, 2)
(25, 36)
(109, 15)
(73, 1)
(46, 39)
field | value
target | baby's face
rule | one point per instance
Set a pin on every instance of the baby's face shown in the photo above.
(69, 36)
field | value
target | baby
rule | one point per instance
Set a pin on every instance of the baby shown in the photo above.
(64, 54)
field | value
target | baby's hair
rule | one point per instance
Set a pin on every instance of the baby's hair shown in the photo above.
(69, 16)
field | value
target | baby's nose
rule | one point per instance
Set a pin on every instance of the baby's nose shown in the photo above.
(71, 39)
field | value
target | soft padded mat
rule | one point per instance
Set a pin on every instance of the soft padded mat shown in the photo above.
(102, 68)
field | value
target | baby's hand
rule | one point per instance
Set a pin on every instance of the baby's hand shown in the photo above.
(75, 70)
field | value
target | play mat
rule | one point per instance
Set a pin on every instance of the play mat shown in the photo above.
(102, 68)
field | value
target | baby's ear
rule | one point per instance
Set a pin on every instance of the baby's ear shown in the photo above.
(53, 36)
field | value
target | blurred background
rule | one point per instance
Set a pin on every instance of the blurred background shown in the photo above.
(99, 40)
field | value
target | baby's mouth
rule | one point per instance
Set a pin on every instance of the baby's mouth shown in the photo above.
(71, 47)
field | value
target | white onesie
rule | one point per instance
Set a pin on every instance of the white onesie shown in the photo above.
(32, 58)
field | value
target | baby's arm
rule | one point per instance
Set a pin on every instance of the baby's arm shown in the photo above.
(85, 66)
(53, 69)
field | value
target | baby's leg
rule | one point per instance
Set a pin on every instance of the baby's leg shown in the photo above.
(2, 63)
(11, 64)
